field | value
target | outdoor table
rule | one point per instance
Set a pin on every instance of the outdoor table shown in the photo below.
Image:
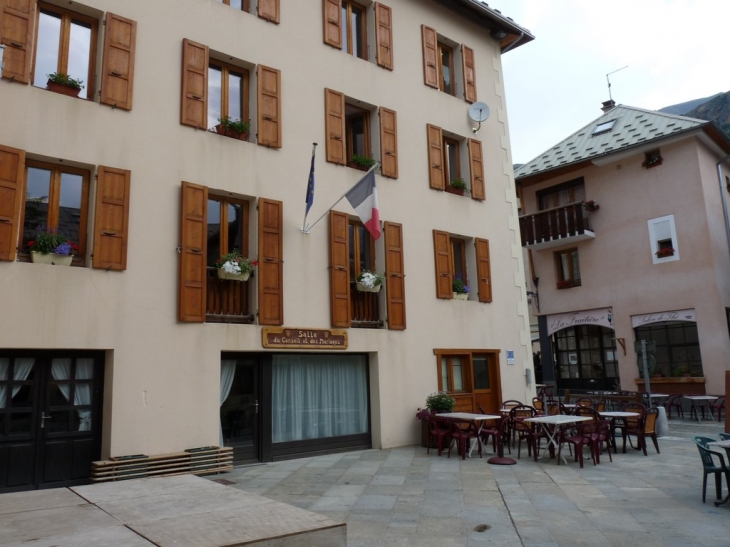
(726, 446)
(559, 421)
(694, 398)
(613, 414)
(468, 416)
(655, 396)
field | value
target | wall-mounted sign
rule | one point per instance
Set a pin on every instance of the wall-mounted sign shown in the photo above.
(677, 315)
(510, 357)
(602, 317)
(298, 338)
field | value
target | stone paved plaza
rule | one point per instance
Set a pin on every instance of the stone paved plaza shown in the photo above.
(405, 497)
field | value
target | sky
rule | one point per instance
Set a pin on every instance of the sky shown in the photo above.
(675, 51)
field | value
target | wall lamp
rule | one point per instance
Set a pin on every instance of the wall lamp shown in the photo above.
(498, 34)
(537, 299)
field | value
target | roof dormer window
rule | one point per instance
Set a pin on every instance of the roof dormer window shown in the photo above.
(603, 127)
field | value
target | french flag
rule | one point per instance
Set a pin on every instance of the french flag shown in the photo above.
(364, 199)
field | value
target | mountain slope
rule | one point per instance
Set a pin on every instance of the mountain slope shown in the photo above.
(716, 109)
(682, 108)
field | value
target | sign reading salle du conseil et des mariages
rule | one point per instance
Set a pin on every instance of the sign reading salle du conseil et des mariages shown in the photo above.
(302, 338)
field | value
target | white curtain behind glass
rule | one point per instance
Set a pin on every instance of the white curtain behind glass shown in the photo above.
(317, 396)
(23, 366)
(228, 371)
(61, 370)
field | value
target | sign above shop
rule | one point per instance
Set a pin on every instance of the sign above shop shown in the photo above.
(602, 317)
(676, 315)
(298, 338)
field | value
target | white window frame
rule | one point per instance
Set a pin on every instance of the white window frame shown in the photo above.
(654, 239)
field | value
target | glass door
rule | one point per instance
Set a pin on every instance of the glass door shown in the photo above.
(240, 412)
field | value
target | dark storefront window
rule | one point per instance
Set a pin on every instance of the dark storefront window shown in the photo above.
(677, 347)
(585, 358)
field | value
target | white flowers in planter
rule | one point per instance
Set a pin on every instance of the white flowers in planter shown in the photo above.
(369, 281)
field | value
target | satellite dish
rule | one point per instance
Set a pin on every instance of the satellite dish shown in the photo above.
(478, 112)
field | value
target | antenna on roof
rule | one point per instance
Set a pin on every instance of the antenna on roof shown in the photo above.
(609, 81)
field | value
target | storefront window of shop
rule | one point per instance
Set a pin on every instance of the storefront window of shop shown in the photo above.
(586, 358)
(677, 347)
(319, 396)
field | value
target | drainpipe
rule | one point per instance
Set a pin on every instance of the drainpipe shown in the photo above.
(724, 199)
(513, 44)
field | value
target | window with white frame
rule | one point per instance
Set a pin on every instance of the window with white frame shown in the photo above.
(663, 239)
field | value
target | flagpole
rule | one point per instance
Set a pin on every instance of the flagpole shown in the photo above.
(311, 173)
(308, 228)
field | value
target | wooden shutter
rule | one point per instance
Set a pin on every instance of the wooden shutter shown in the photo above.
(194, 108)
(442, 254)
(269, 106)
(388, 143)
(271, 263)
(193, 252)
(470, 77)
(435, 157)
(12, 170)
(339, 270)
(332, 13)
(384, 36)
(17, 19)
(476, 168)
(395, 276)
(111, 222)
(334, 110)
(269, 10)
(430, 57)
(483, 270)
(120, 36)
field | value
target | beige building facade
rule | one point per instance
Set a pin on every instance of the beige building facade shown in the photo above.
(139, 347)
(626, 221)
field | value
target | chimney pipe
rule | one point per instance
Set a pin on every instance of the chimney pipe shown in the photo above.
(608, 105)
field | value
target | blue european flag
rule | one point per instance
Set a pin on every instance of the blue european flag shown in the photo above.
(310, 187)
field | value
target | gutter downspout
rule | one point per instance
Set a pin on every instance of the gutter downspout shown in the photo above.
(513, 44)
(724, 199)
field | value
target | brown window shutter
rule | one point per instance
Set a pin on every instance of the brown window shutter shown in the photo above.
(384, 36)
(388, 143)
(483, 270)
(271, 262)
(269, 106)
(442, 253)
(117, 83)
(12, 175)
(470, 77)
(430, 57)
(17, 19)
(111, 223)
(476, 168)
(334, 110)
(194, 107)
(395, 276)
(332, 14)
(339, 270)
(269, 10)
(435, 157)
(193, 252)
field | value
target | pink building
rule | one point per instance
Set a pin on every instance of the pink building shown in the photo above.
(626, 226)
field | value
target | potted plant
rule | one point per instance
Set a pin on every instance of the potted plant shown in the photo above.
(665, 252)
(457, 186)
(369, 281)
(235, 266)
(565, 283)
(59, 82)
(682, 371)
(460, 289)
(591, 205)
(52, 248)
(436, 403)
(233, 127)
(363, 163)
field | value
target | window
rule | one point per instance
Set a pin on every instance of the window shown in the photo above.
(603, 127)
(652, 159)
(445, 163)
(567, 269)
(453, 370)
(663, 239)
(452, 171)
(56, 200)
(267, 9)
(362, 249)
(227, 227)
(227, 93)
(357, 128)
(354, 31)
(66, 43)
(236, 4)
(345, 25)
(677, 346)
(454, 259)
(586, 357)
(563, 194)
(446, 69)
(448, 66)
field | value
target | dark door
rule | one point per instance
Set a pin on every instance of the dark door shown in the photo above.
(241, 407)
(50, 427)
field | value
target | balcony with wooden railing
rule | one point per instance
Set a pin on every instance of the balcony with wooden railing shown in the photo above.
(227, 301)
(558, 226)
(364, 311)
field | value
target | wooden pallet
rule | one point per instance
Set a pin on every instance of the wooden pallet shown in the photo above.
(196, 461)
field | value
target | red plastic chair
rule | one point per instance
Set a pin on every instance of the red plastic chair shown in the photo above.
(646, 427)
(674, 401)
(719, 406)
(463, 432)
(577, 436)
(441, 429)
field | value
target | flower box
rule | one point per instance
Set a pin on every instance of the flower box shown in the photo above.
(460, 296)
(364, 288)
(62, 89)
(51, 258)
(228, 132)
(222, 274)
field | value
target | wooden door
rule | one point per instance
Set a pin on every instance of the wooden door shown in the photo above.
(486, 383)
